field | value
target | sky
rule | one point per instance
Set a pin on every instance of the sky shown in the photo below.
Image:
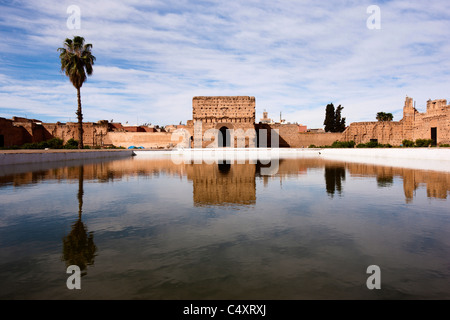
(294, 57)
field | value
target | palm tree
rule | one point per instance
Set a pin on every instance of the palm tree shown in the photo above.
(76, 62)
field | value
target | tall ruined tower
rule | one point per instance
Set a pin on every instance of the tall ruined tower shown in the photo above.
(408, 109)
(408, 121)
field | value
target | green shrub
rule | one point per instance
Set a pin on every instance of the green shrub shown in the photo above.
(420, 143)
(55, 143)
(42, 145)
(444, 145)
(408, 143)
(373, 144)
(10, 148)
(71, 144)
(343, 144)
(30, 146)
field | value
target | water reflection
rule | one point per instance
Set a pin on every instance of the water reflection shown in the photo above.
(224, 167)
(385, 181)
(210, 231)
(78, 246)
(334, 175)
(223, 183)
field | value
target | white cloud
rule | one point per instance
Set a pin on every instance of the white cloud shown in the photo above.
(293, 56)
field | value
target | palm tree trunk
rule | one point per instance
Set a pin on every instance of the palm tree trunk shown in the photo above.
(80, 121)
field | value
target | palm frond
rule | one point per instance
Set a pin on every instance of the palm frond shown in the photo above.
(76, 60)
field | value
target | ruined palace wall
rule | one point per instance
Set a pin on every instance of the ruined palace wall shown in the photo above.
(318, 139)
(93, 133)
(413, 126)
(12, 135)
(155, 140)
(234, 109)
(385, 132)
(437, 116)
(291, 136)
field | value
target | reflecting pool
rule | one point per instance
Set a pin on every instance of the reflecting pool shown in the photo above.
(143, 228)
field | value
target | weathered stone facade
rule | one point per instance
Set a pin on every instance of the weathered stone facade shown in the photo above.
(237, 115)
(223, 109)
(233, 117)
(11, 135)
(18, 131)
(224, 114)
(434, 124)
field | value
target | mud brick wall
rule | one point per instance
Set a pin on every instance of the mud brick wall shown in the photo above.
(414, 125)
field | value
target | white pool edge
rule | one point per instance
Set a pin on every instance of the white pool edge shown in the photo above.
(436, 159)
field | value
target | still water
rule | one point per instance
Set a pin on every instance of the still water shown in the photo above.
(151, 229)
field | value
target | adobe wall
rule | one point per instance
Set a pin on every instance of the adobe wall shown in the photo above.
(12, 135)
(437, 116)
(221, 112)
(385, 132)
(291, 136)
(93, 133)
(217, 109)
(155, 140)
(413, 126)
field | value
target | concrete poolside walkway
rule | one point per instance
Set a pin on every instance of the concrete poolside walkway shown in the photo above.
(9, 157)
(436, 159)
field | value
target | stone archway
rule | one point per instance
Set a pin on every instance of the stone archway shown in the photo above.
(224, 138)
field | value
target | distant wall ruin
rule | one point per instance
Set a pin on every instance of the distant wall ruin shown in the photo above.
(434, 124)
(237, 114)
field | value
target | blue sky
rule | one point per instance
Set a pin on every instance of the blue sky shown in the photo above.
(295, 57)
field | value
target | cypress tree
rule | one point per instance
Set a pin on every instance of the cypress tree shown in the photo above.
(329, 118)
(339, 122)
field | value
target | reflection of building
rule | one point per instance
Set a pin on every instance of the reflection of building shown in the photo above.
(219, 184)
(215, 185)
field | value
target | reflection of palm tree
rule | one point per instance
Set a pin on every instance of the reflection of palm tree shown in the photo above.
(78, 246)
(333, 179)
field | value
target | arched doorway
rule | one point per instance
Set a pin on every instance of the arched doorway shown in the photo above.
(224, 167)
(224, 138)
